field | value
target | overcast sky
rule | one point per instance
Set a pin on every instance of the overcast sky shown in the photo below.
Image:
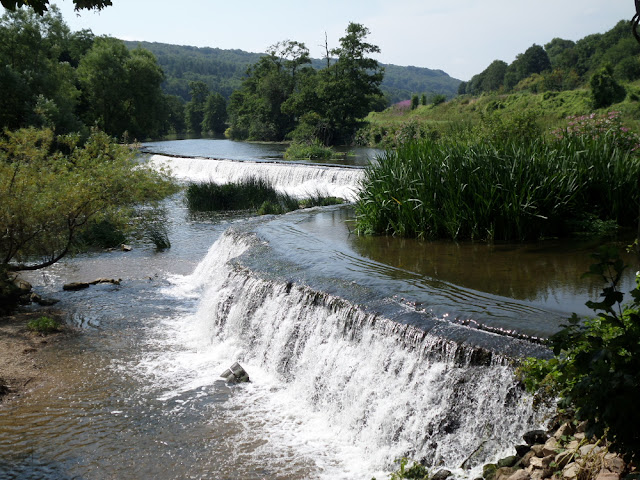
(461, 37)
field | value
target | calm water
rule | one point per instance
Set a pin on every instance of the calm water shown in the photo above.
(228, 149)
(136, 392)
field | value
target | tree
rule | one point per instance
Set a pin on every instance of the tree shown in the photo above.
(121, 89)
(604, 88)
(194, 109)
(215, 114)
(41, 6)
(38, 85)
(258, 109)
(47, 198)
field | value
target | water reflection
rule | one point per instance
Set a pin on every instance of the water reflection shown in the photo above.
(254, 151)
(548, 274)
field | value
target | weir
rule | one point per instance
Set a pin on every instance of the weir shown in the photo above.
(441, 393)
(296, 179)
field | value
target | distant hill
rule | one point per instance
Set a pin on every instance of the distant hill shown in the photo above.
(223, 70)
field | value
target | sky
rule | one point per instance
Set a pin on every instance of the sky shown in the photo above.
(460, 37)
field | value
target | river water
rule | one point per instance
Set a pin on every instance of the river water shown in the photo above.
(360, 351)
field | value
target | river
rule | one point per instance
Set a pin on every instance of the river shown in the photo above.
(360, 351)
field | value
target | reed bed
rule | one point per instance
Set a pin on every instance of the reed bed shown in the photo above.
(249, 194)
(511, 189)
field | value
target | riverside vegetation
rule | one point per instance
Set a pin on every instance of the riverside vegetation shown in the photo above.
(249, 194)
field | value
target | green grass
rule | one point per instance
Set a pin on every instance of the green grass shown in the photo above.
(310, 151)
(498, 188)
(463, 112)
(249, 194)
(43, 325)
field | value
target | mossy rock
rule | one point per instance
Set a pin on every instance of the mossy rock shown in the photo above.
(489, 471)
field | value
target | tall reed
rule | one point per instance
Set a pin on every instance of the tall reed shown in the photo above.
(507, 189)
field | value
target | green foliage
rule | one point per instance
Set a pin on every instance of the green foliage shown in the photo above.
(415, 101)
(415, 471)
(596, 368)
(330, 104)
(308, 150)
(605, 90)
(215, 114)
(249, 194)
(49, 197)
(501, 182)
(44, 325)
(41, 6)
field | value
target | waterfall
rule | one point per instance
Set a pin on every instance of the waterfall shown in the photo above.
(442, 394)
(296, 179)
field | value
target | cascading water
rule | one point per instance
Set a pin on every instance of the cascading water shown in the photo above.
(384, 388)
(346, 375)
(295, 179)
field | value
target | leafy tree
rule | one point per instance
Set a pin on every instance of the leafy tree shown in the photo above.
(38, 86)
(561, 53)
(533, 60)
(215, 114)
(121, 89)
(41, 6)
(415, 101)
(351, 85)
(257, 110)
(47, 198)
(194, 109)
(604, 88)
(175, 114)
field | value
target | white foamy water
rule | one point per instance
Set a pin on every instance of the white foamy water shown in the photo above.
(336, 393)
(295, 179)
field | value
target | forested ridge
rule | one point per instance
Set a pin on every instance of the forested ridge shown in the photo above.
(223, 70)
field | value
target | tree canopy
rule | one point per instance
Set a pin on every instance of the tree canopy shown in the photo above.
(41, 6)
(48, 197)
(284, 96)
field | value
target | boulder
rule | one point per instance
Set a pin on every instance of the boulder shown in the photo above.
(566, 429)
(520, 475)
(589, 449)
(441, 475)
(551, 447)
(106, 280)
(489, 471)
(526, 460)
(562, 459)
(235, 374)
(607, 475)
(570, 472)
(504, 473)
(522, 450)
(508, 461)
(534, 437)
(614, 463)
(537, 450)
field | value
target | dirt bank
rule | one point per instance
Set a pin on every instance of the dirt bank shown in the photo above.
(22, 364)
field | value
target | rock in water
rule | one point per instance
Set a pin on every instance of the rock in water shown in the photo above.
(235, 374)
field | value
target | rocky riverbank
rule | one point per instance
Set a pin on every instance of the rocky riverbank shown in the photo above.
(22, 360)
(562, 453)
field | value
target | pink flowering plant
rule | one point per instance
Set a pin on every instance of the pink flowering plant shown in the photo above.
(606, 126)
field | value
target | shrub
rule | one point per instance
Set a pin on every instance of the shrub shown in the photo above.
(44, 325)
(596, 367)
(604, 88)
(308, 150)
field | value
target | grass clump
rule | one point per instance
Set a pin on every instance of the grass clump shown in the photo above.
(313, 150)
(249, 194)
(497, 186)
(44, 325)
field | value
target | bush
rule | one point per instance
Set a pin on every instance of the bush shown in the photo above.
(308, 150)
(605, 90)
(596, 368)
(44, 325)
